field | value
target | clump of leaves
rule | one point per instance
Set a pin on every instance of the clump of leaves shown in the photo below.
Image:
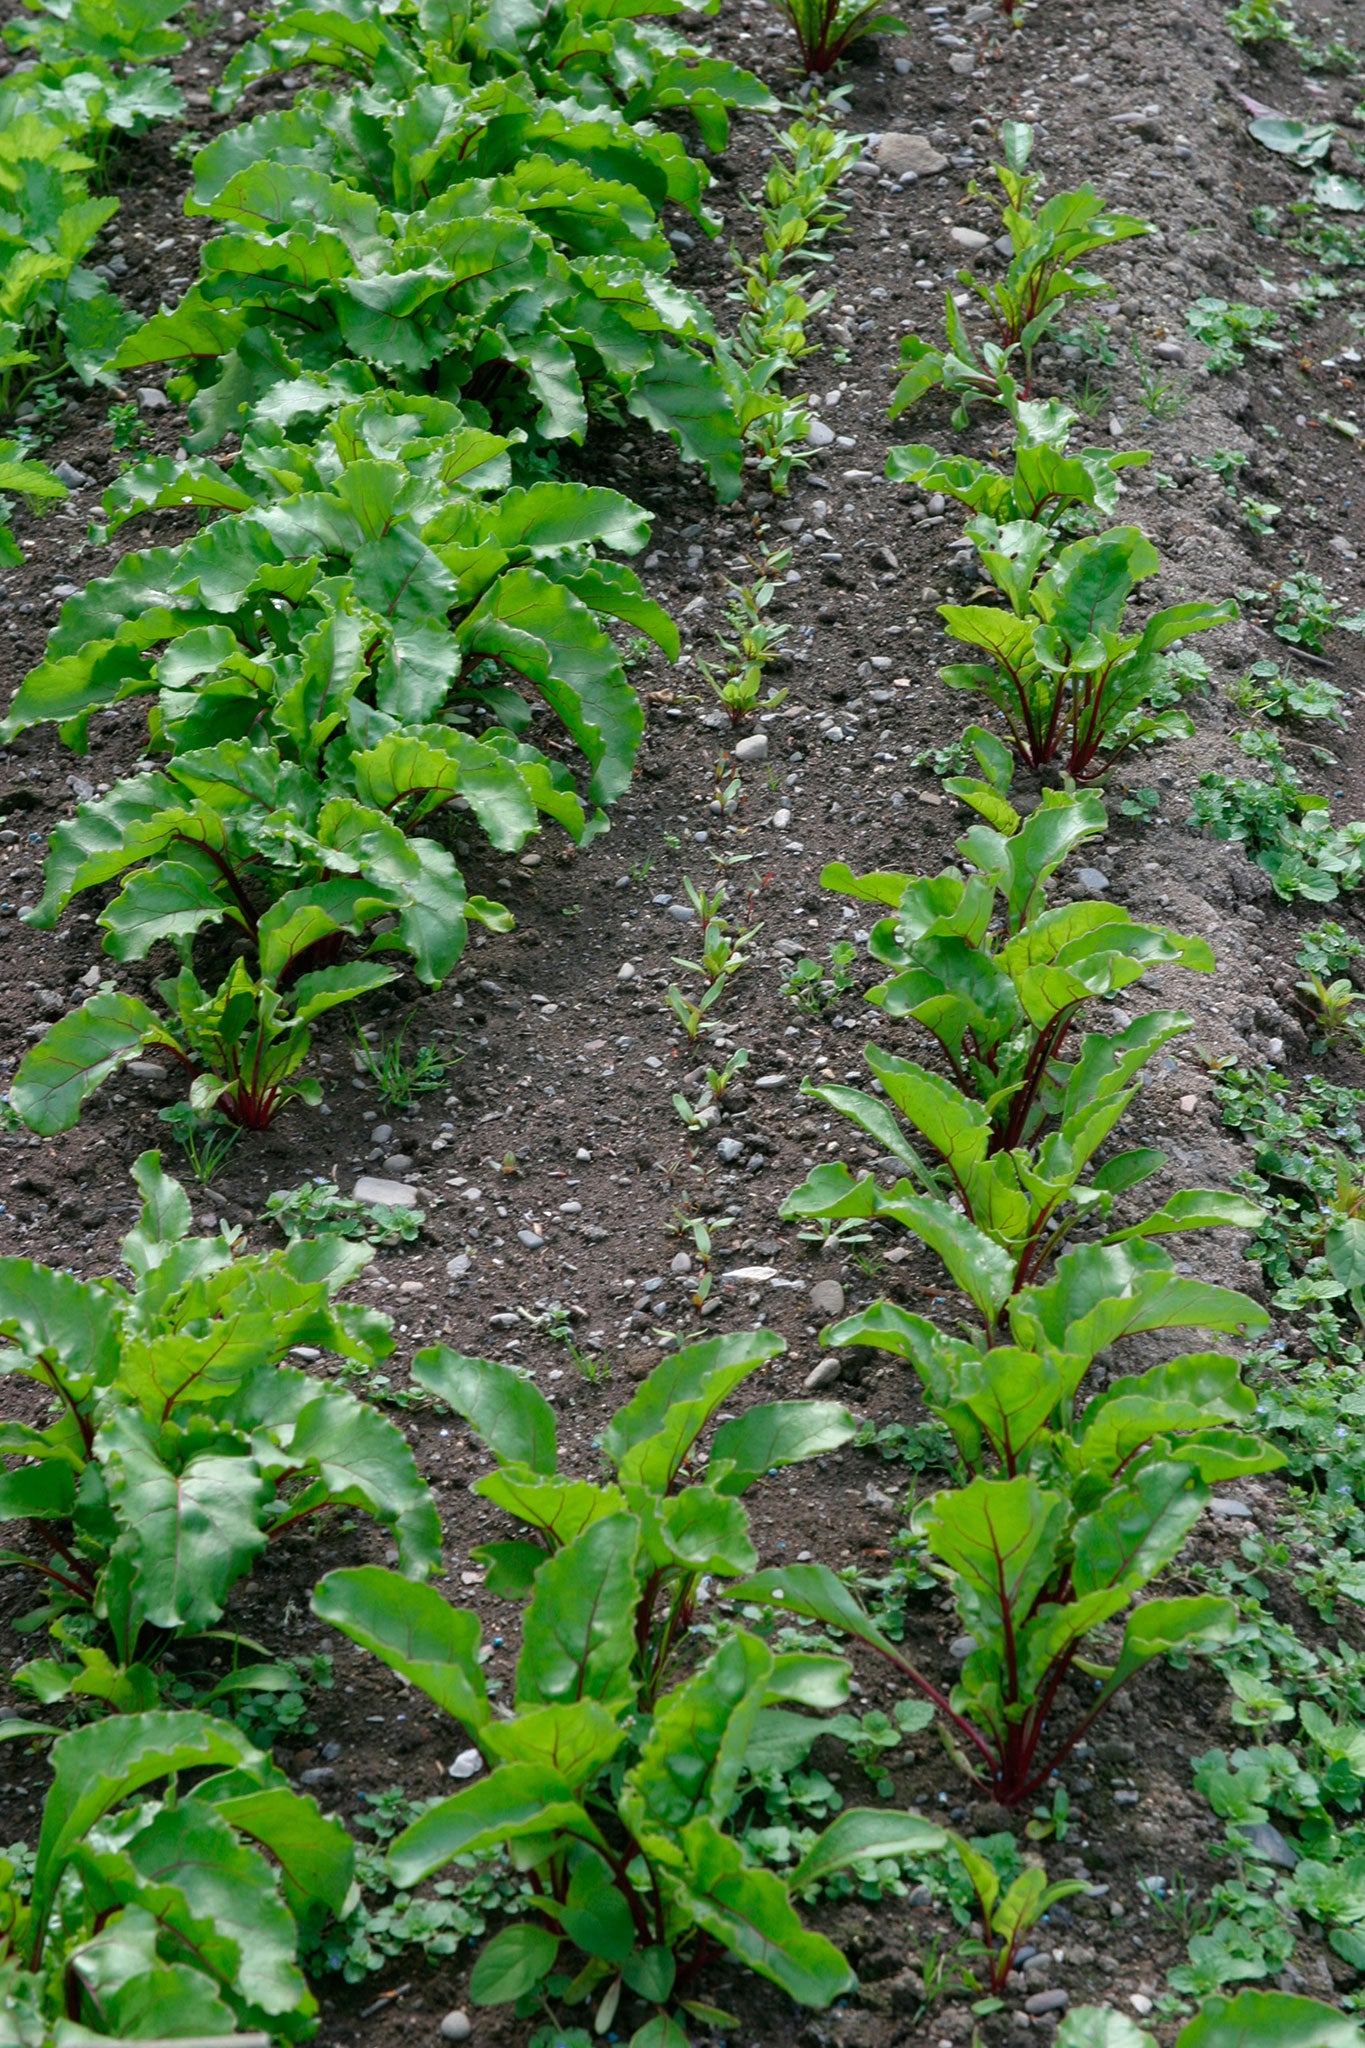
(614, 1787)
(1285, 828)
(1046, 272)
(1049, 484)
(998, 1158)
(750, 642)
(1027, 1546)
(401, 1079)
(183, 1445)
(1071, 685)
(1328, 948)
(1266, 691)
(159, 1912)
(317, 1208)
(814, 988)
(1228, 329)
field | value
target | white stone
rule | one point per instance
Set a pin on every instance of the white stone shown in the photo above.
(394, 1194)
(781, 819)
(970, 239)
(467, 1764)
(626, 971)
(752, 748)
(456, 2027)
(821, 1375)
(819, 435)
(897, 153)
(827, 1298)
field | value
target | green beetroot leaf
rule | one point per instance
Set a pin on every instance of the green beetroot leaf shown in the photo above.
(97, 1767)
(749, 1911)
(515, 1800)
(80, 1051)
(578, 1631)
(412, 1630)
(512, 1416)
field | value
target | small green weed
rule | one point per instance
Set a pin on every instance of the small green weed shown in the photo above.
(317, 1207)
(815, 990)
(1228, 328)
(400, 1079)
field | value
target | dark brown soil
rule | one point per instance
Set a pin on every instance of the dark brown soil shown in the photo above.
(558, 1121)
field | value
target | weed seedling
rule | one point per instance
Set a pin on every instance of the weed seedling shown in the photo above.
(1163, 396)
(1265, 691)
(399, 1079)
(317, 1208)
(1228, 329)
(128, 428)
(205, 1136)
(1328, 949)
(815, 991)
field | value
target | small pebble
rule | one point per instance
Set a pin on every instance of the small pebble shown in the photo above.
(457, 1267)
(1093, 878)
(1141, 2004)
(398, 1163)
(626, 971)
(152, 400)
(819, 435)
(467, 1764)
(821, 1375)
(382, 1134)
(1047, 2001)
(754, 748)
(781, 819)
(681, 1263)
(455, 2027)
(1188, 1104)
(728, 1150)
(531, 1239)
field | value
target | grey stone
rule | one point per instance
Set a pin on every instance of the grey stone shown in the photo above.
(394, 1194)
(827, 1298)
(398, 1163)
(457, 1267)
(66, 473)
(467, 1764)
(962, 63)
(970, 239)
(456, 2027)
(767, 1082)
(681, 1263)
(1225, 1509)
(899, 152)
(819, 435)
(961, 1647)
(753, 748)
(532, 1239)
(320, 1774)
(1169, 352)
(821, 1375)
(1047, 2001)
(148, 1070)
(729, 1150)
(681, 913)
(626, 971)
(1093, 878)
(881, 1503)
(1270, 1845)
(781, 819)
(152, 400)
(382, 1134)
